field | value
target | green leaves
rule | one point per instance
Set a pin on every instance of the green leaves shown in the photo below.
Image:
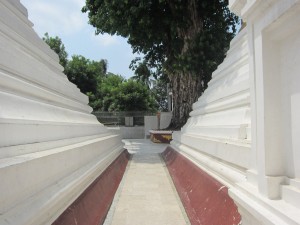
(106, 91)
(143, 74)
(162, 29)
(56, 45)
(119, 94)
(176, 37)
(86, 74)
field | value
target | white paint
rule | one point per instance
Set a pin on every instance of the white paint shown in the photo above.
(247, 122)
(136, 132)
(219, 125)
(51, 147)
(151, 122)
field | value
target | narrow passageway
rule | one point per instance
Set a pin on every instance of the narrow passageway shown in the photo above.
(146, 195)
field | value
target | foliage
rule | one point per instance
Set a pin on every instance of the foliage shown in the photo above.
(161, 29)
(158, 87)
(134, 96)
(119, 94)
(159, 91)
(106, 91)
(55, 43)
(86, 74)
(178, 38)
(142, 73)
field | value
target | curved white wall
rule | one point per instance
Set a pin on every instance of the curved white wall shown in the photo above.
(51, 147)
(219, 126)
(244, 130)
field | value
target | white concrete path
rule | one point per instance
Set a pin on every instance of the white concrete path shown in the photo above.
(146, 195)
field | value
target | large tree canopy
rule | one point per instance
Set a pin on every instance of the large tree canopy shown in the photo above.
(184, 40)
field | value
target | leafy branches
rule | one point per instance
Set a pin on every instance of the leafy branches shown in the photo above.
(177, 38)
(55, 43)
(106, 91)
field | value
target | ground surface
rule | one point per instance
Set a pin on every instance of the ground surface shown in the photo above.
(146, 196)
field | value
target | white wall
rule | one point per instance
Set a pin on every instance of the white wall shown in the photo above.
(220, 121)
(136, 132)
(290, 94)
(151, 122)
(244, 130)
(51, 147)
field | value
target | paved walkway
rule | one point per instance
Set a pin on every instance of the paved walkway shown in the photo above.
(146, 195)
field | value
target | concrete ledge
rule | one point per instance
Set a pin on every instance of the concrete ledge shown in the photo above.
(205, 199)
(93, 204)
(40, 185)
(128, 132)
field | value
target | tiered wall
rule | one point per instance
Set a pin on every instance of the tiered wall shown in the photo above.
(244, 130)
(51, 147)
(217, 139)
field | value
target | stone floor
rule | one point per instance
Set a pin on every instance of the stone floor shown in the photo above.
(146, 195)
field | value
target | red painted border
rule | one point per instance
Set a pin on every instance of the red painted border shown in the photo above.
(92, 205)
(205, 199)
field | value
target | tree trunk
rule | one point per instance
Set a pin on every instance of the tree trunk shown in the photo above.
(186, 90)
(186, 86)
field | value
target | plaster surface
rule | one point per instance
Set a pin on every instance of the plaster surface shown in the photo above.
(92, 205)
(243, 130)
(51, 147)
(151, 122)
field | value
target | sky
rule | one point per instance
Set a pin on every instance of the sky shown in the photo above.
(63, 18)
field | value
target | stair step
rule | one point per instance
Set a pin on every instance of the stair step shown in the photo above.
(291, 194)
(45, 206)
(39, 170)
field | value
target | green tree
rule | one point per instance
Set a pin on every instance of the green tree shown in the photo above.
(159, 91)
(86, 74)
(79, 73)
(57, 46)
(99, 69)
(185, 40)
(142, 73)
(108, 90)
(134, 96)
(118, 94)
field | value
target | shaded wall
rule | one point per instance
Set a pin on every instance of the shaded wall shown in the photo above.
(243, 130)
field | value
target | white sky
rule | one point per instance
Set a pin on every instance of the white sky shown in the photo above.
(63, 18)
